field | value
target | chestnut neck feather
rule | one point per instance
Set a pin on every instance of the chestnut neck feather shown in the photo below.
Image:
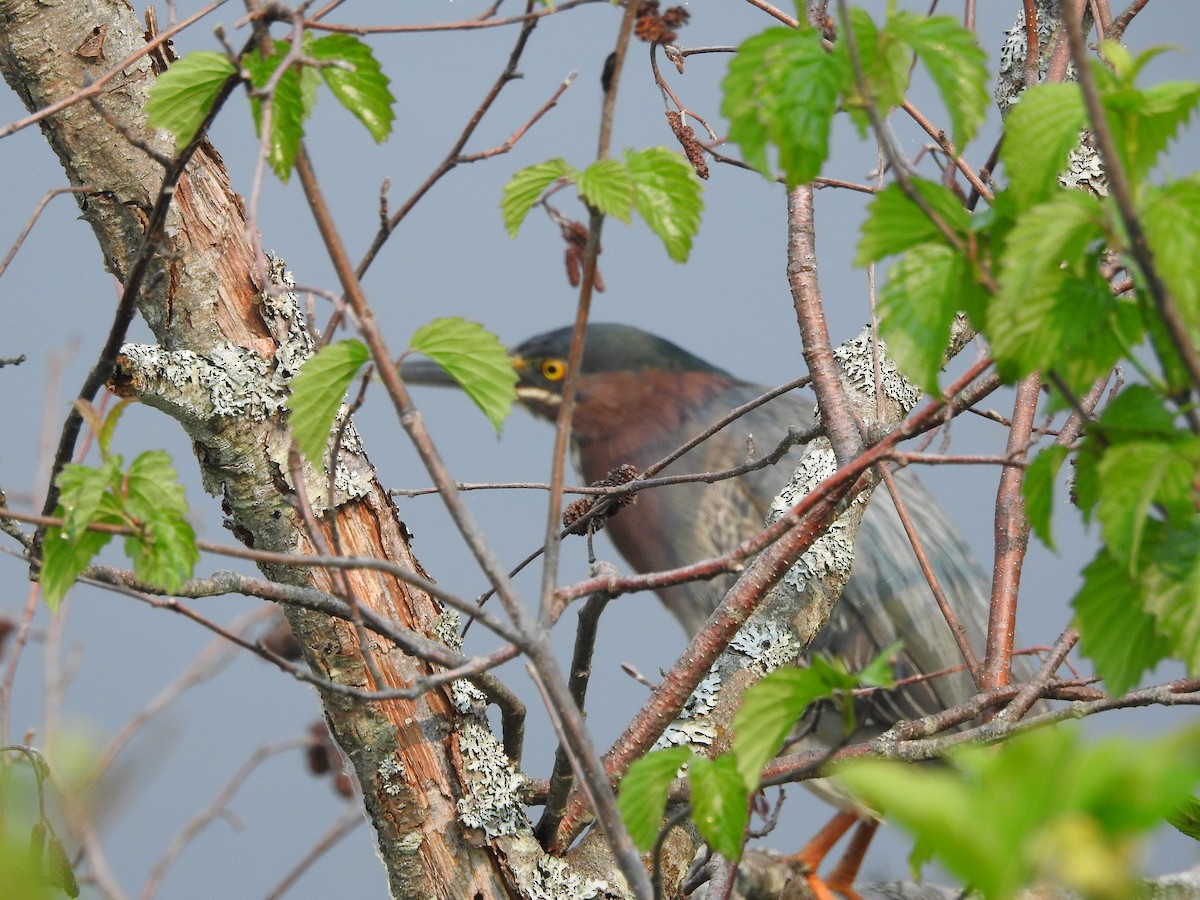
(639, 417)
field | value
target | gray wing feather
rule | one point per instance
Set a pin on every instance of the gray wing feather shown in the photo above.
(887, 598)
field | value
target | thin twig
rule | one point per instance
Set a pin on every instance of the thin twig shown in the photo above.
(1012, 539)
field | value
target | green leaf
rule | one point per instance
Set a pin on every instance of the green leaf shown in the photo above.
(606, 185)
(183, 96)
(880, 672)
(317, 392)
(1053, 310)
(364, 91)
(720, 803)
(643, 795)
(475, 359)
(1002, 818)
(163, 549)
(1038, 488)
(1143, 122)
(885, 62)
(525, 187)
(1187, 818)
(82, 490)
(924, 292)
(1172, 592)
(895, 223)
(956, 64)
(1132, 476)
(782, 90)
(289, 108)
(668, 195)
(768, 713)
(163, 552)
(1116, 633)
(63, 559)
(152, 487)
(1135, 414)
(1170, 216)
(1040, 132)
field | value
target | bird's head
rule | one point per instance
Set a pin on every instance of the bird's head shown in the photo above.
(634, 388)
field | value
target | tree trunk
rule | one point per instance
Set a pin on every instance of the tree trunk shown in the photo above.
(205, 304)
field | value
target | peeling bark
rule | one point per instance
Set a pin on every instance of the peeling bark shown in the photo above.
(201, 299)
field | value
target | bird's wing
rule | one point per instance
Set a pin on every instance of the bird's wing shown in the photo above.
(887, 599)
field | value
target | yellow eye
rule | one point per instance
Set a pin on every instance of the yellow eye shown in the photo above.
(553, 369)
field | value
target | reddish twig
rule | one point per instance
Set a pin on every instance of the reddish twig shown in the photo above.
(1012, 538)
(840, 425)
(935, 586)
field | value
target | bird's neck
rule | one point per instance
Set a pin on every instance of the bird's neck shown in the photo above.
(639, 417)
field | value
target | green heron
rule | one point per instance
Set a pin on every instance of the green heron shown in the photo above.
(638, 398)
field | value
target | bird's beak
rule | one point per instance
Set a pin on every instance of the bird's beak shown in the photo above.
(426, 372)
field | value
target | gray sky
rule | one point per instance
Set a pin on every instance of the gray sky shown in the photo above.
(730, 304)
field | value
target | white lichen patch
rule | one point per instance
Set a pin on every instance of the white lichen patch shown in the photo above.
(768, 644)
(1085, 168)
(392, 775)
(683, 732)
(856, 358)
(464, 695)
(248, 385)
(704, 698)
(832, 552)
(492, 803)
(551, 878)
(445, 628)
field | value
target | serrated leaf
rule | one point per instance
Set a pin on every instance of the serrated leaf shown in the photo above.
(1135, 414)
(289, 108)
(885, 63)
(1116, 633)
(923, 293)
(183, 96)
(1040, 132)
(782, 90)
(164, 551)
(642, 799)
(475, 359)
(720, 804)
(668, 196)
(1132, 476)
(317, 392)
(81, 491)
(526, 186)
(606, 185)
(1143, 122)
(364, 91)
(768, 713)
(956, 64)
(1038, 489)
(152, 486)
(1053, 310)
(63, 559)
(895, 223)
(1172, 592)
(1170, 216)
